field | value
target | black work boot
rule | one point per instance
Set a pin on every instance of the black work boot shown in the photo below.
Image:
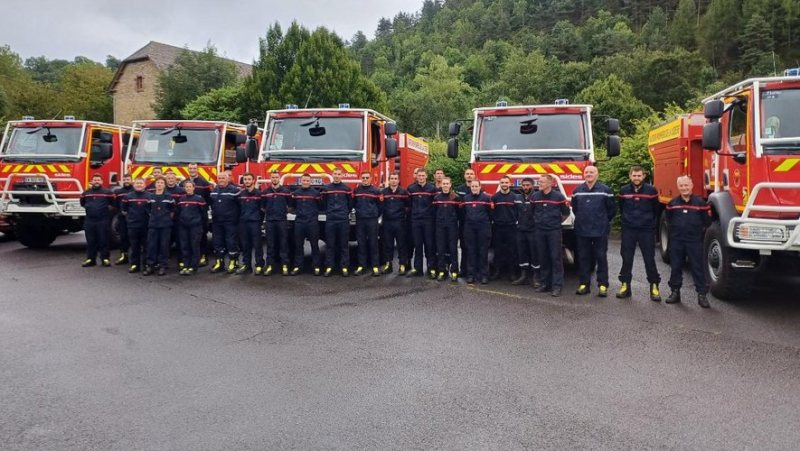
(523, 278)
(703, 300)
(674, 297)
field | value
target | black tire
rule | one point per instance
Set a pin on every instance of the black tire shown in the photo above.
(35, 236)
(725, 282)
(113, 237)
(663, 237)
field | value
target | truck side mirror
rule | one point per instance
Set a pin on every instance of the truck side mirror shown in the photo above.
(712, 136)
(102, 151)
(390, 128)
(452, 147)
(241, 154)
(454, 129)
(240, 138)
(391, 148)
(251, 148)
(713, 110)
(612, 126)
(106, 137)
(612, 146)
(252, 129)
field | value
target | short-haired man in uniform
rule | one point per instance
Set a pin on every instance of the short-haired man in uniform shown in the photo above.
(638, 203)
(275, 202)
(121, 225)
(306, 203)
(224, 229)
(594, 207)
(688, 216)
(136, 212)
(250, 219)
(192, 212)
(504, 230)
(550, 209)
(395, 206)
(175, 191)
(421, 194)
(337, 198)
(98, 203)
(462, 190)
(368, 203)
(526, 236)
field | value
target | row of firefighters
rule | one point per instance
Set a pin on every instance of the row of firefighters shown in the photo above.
(422, 220)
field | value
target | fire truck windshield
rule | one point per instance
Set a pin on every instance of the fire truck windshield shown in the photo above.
(308, 137)
(177, 146)
(781, 120)
(44, 142)
(541, 132)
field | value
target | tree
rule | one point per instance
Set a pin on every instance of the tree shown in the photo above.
(683, 29)
(719, 32)
(223, 104)
(565, 42)
(612, 97)
(192, 75)
(83, 92)
(43, 70)
(112, 63)
(655, 31)
(4, 105)
(757, 48)
(323, 75)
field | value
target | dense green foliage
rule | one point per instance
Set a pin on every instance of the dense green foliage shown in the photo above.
(192, 75)
(45, 88)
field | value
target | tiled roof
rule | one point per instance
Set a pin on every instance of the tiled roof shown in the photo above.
(163, 56)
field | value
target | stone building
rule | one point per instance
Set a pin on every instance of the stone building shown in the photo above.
(133, 87)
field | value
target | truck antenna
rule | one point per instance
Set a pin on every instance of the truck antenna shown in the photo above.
(309, 98)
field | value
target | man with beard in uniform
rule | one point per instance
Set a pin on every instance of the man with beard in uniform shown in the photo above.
(395, 206)
(504, 231)
(337, 198)
(98, 203)
(275, 202)
(526, 236)
(121, 225)
(462, 190)
(421, 194)
(306, 203)
(136, 212)
(368, 203)
(250, 221)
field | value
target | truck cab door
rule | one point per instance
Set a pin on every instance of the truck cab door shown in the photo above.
(738, 145)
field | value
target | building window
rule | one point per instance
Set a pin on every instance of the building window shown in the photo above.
(139, 83)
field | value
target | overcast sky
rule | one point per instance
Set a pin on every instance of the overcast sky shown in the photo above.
(96, 28)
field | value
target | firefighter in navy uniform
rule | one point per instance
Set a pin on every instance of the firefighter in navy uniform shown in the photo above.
(504, 230)
(121, 225)
(275, 202)
(306, 203)
(368, 203)
(688, 216)
(447, 208)
(477, 219)
(421, 194)
(550, 209)
(98, 203)
(159, 230)
(395, 206)
(639, 206)
(192, 211)
(337, 200)
(203, 188)
(224, 227)
(526, 237)
(136, 210)
(462, 190)
(594, 207)
(251, 217)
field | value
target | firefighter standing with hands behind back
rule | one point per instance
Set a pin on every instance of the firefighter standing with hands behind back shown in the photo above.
(275, 202)
(688, 216)
(368, 202)
(122, 225)
(98, 202)
(594, 206)
(225, 211)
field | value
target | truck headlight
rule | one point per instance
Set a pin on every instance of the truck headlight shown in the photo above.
(759, 232)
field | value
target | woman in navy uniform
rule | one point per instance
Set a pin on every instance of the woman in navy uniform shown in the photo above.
(160, 227)
(447, 207)
(478, 213)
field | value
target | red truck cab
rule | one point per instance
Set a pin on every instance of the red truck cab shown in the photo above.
(44, 168)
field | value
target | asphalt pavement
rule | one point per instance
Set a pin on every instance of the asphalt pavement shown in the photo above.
(97, 359)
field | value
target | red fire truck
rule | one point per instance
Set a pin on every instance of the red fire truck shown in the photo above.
(750, 175)
(44, 167)
(171, 145)
(317, 141)
(532, 140)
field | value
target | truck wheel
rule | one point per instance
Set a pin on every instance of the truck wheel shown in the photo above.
(34, 236)
(113, 237)
(663, 237)
(725, 282)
